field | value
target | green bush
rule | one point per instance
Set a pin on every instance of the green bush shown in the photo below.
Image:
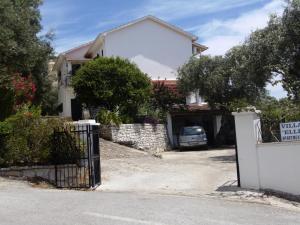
(106, 117)
(274, 112)
(114, 84)
(65, 147)
(27, 138)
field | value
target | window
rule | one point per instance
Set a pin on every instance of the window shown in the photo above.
(75, 67)
(187, 131)
(59, 76)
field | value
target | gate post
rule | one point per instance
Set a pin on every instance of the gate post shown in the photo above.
(93, 150)
(246, 140)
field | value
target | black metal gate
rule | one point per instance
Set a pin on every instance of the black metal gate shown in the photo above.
(76, 156)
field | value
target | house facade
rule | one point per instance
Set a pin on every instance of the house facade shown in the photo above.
(156, 47)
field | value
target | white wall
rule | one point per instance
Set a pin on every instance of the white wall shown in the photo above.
(157, 50)
(246, 143)
(65, 94)
(274, 166)
(279, 166)
(194, 98)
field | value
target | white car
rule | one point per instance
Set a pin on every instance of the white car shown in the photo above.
(192, 136)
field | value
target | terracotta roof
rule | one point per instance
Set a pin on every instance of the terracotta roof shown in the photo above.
(170, 84)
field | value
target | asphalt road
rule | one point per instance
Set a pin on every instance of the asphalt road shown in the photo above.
(22, 204)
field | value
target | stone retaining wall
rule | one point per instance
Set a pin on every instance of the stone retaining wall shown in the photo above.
(148, 137)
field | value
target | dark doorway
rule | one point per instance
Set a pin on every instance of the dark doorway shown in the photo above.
(76, 109)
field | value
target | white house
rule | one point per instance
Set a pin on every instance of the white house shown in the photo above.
(157, 47)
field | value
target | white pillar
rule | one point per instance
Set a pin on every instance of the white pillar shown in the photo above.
(246, 139)
(82, 125)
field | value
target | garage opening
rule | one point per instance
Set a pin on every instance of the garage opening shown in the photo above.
(218, 125)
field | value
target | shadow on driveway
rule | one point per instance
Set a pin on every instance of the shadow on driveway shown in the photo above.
(224, 158)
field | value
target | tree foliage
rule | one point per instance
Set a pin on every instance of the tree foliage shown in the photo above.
(241, 75)
(220, 80)
(164, 98)
(114, 84)
(6, 95)
(290, 49)
(23, 51)
(274, 112)
(275, 50)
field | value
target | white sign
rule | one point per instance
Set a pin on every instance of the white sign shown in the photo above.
(290, 131)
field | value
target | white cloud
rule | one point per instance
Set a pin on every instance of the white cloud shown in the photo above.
(220, 36)
(177, 9)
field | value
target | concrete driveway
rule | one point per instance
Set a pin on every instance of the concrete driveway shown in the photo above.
(187, 173)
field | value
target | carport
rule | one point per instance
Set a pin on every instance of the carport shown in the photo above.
(214, 121)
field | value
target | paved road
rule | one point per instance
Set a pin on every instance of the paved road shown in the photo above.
(21, 204)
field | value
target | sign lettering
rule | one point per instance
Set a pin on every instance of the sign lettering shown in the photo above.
(290, 131)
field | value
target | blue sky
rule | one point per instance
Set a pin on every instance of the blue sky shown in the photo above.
(219, 24)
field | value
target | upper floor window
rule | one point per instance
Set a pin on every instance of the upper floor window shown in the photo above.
(75, 67)
(59, 76)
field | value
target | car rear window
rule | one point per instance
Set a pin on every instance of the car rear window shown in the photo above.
(186, 131)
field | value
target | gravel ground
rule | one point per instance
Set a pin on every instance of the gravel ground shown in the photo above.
(189, 173)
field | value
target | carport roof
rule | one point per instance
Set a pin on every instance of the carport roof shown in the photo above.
(194, 108)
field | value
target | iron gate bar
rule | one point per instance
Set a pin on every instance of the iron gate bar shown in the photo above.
(77, 153)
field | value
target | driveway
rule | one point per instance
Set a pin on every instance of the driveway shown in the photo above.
(187, 173)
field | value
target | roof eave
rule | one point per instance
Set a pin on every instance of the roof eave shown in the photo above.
(201, 47)
(92, 48)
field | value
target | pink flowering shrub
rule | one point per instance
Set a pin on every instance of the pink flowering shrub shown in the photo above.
(24, 89)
